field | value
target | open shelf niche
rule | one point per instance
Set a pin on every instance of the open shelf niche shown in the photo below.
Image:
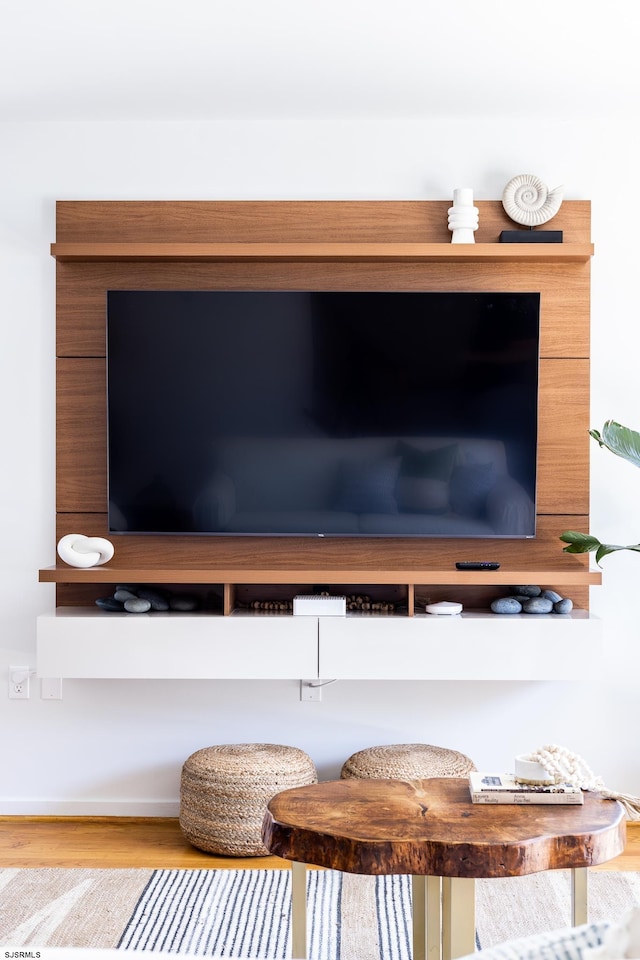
(339, 245)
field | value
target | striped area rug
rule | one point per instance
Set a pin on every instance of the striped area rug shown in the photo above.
(246, 913)
(232, 913)
(240, 913)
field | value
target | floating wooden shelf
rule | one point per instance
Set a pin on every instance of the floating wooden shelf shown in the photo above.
(323, 252)
(112, 574)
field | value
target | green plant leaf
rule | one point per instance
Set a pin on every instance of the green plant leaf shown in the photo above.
(622, 441)
(625, 443)
(604, 549)
(585, 543)
(579, 542)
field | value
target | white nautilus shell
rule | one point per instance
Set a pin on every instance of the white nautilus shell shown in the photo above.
(529, 201)
(80, 551)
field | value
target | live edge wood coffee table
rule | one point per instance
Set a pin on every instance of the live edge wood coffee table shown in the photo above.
(431, 830)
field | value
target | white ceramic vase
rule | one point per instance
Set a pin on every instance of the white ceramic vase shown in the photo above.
(463, 216)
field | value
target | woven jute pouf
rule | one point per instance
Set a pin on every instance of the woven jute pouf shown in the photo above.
(225, 789)
(406, 761)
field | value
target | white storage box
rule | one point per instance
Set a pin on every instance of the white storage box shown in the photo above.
(316, 605)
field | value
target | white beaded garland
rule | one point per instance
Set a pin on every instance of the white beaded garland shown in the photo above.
(563, 766)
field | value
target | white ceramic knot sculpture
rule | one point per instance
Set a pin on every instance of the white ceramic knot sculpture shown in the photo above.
(80, 551)
(463, 216)
(527, 200)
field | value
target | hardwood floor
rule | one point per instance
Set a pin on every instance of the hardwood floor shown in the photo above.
(108, 842)
(156, 842)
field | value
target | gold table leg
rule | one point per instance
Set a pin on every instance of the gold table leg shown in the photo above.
(579, 895)
(458, 917)
(298, 910)
(426, 894)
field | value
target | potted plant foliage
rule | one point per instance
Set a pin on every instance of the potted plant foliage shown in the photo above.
(624, 443)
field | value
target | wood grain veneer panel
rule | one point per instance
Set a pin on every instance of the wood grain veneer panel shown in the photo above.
(313, 251)
(563, 448)
(543, 551)
(81, 459)
(255, 221)
(82, 287)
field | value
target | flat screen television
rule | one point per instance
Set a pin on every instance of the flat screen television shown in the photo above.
(322, 414)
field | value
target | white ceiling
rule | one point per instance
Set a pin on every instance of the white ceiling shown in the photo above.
(202, 59)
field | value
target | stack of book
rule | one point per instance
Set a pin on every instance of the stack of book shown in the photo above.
(504, 788)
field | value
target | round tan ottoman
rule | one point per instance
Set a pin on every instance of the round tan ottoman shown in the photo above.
(406, 761)
(224, 791)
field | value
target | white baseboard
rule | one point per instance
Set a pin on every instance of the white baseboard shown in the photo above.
(89, 808)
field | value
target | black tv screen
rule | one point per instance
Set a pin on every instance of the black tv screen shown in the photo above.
(318, 414)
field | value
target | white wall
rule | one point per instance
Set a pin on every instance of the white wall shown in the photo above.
(117, 747)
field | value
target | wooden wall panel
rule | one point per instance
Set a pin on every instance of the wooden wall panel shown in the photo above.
(81, 425)
(542, 552)
(563, 496)
(82, 287)
(272, 221)
(563, 449)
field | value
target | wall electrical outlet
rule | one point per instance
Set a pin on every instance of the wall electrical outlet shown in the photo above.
(19, 685)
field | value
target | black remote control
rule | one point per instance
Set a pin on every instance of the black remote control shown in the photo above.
(477, 565)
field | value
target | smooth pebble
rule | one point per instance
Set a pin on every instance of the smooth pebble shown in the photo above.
(563, 606)
(137, 605)
(110, 604)
(123, 593)
(551, 595)
(158, 599)
(527, 590)
(537, 605)
(506, 605)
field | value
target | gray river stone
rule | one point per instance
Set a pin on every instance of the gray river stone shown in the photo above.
(158, 599)
(506, 605)
(537, 605)
(527, 590)
(551, 595)
(137, 605)
(124, 593)
(110, 604)
(563, 606)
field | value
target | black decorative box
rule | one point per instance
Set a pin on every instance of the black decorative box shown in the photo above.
(531, 236)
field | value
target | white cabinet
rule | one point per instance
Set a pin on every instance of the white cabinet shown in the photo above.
(79, 642)
(86, 642)
(471, 646)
